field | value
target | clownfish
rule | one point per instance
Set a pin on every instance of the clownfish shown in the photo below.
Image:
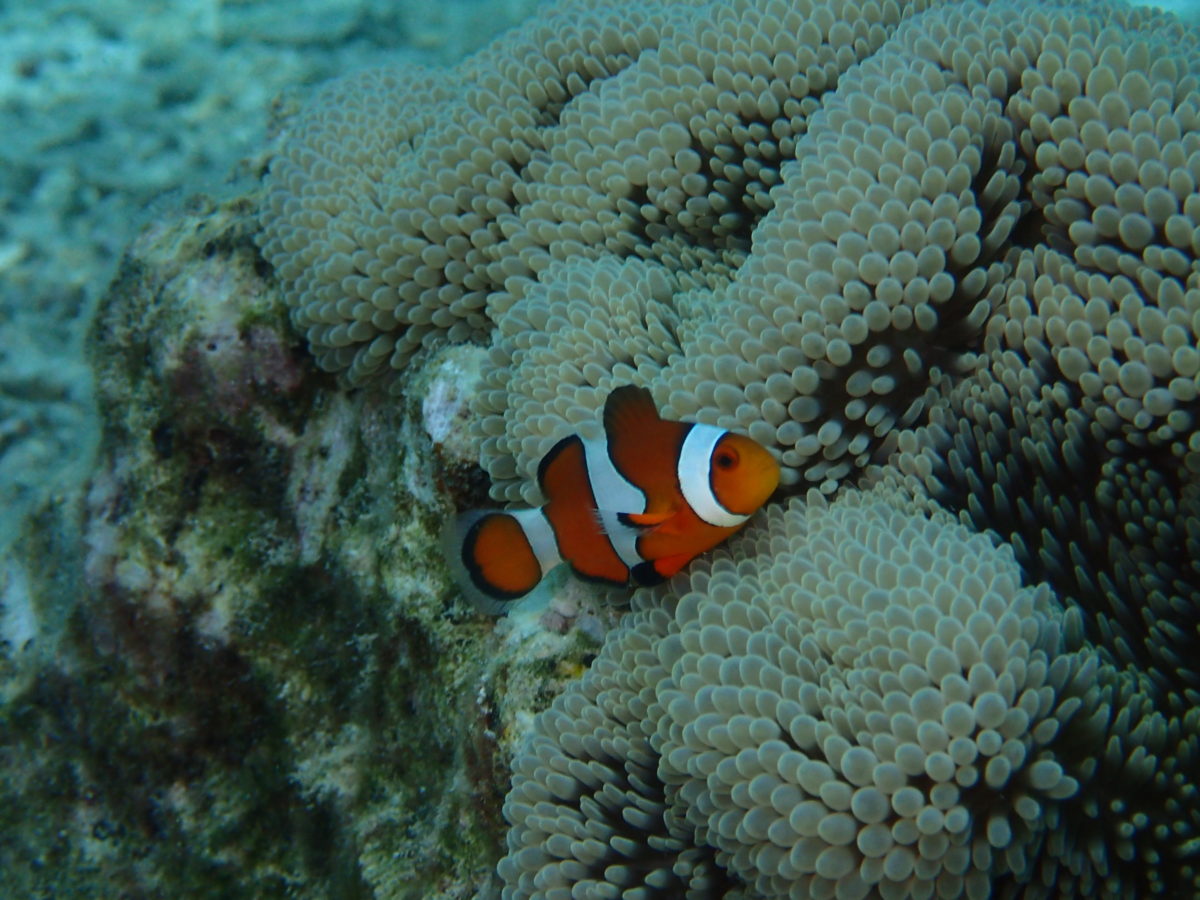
(636, 506)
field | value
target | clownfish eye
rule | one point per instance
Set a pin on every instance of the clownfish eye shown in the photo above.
(725, 458)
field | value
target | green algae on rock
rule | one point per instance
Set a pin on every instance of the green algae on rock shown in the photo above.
(261, 682)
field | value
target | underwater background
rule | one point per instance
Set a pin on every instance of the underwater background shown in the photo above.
(231, 663)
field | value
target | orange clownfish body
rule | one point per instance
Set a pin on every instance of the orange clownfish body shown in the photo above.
(638, 505)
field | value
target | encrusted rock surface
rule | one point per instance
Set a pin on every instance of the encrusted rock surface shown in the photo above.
(234, 666)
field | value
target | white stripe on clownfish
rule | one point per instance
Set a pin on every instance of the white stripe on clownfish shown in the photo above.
(541, 537)
(622, 537)
(612, 490)
(695, 476)
(614, 494)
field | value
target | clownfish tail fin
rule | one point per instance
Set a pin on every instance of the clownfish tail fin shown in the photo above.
(497, 557)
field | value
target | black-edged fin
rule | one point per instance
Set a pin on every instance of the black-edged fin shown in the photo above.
(646, 575)
(592, 578)
(553, 454)
(460, 538)
(644, 449)
(630, 410)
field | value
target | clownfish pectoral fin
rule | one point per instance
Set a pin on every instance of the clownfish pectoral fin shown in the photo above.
(645, 520)
(498, 557)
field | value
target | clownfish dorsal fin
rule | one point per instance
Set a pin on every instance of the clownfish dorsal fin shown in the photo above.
(552, 457)
(629, 410)
(644, 447)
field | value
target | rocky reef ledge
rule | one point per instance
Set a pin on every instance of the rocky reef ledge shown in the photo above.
(232, 664)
